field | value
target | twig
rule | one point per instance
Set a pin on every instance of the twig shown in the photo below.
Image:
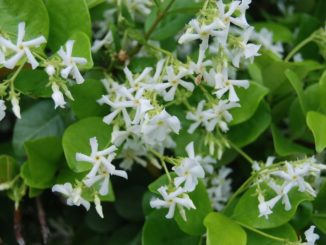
(18, 227)
(42, 219)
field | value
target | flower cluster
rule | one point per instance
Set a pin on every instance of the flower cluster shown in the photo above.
(59, 66)
(281, 179)
(98, 177)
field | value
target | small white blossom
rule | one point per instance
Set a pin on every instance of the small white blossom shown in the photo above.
(200, 117)
(50, 70)
(57, 96)
(71, 62)
(311, 237)
(15, 106)
(156, 129)
(73, 195)
(265, 207)
(102, 167)
(265, 38)
(131, 153)
(2, 109)
(98, 44)
(171, 199)
(189, 170)
(21, 48)
(174, 80)
(98, 206)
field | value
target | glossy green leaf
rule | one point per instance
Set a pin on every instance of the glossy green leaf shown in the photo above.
(8, 168)
(85, 97)
(66, 18)
(33, 83)
(322, 87)
(285, 231)
(161, 231)
(43, 159)
(76, 139)
(41, 120)
(195, 217)
(317, 124)
(284, 146)
(127, 235)
(93, 3)
(252, 97)
(33, 13)
(298, 87)
(221, 230)
(247, 211)
(247, 132)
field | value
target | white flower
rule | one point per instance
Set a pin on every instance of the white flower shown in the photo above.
(282, 192)
(265, 207)
(201, 31)
(269, 162)
(171, 199)
(57, 96)
(98, 206)
(2, 109)
(50, 70)
(131, 153)
(174, 80)
(265, 38)
(98, 44)
(140, 82)
(73, 195)
(245, 49)
(71, 62)
(296, 177)
(189, 170)
(199, 117)
(21, 48)
(224, 85)
(15, 106)
(156, 129)
(221, 116)
(102, 167)
(311, 237)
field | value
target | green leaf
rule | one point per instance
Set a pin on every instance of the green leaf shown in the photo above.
(284, 146)
(285, 231)
(85, 96)
(298, 87)
(129, 234)
(76, 139)
(221, 230)
(66, 18)
(161, 231)
(319, 218)
(33, 13)
(252, 97)
(317, 124)
(8, 168)
(195, 217)
(82, 48)
(43, 157)
(322, 87)
(93, 3)
(41, 120)
(247, 211)
(33, 83)
(247, 132)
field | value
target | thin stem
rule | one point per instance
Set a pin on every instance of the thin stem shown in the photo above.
(240, 190)
(162, 159)
(262, 233)
(18, 227)
(42, 220)
(241, 152)
(298, 47)
(147, 35)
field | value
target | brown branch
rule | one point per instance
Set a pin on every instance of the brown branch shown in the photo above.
(42, 219)
(18, 227)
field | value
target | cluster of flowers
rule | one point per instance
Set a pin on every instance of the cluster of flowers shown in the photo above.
(142, 126)
(97, 179)
(58, 67)
(302, 175)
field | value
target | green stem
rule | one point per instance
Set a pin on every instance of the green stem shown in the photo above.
(241, 152)
(263, 233)
(298, 47)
